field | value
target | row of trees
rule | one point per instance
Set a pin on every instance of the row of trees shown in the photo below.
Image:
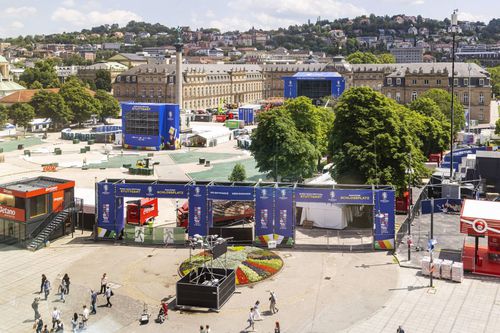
(369, 137)
(72, 104)
(44, 75)
(370, 58)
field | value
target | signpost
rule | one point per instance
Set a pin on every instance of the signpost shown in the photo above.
(430, 245)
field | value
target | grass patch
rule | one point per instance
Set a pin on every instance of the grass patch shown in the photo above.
(220, 171)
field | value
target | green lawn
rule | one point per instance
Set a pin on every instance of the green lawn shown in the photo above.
(11, 145)
(220, 172)
(194, 156)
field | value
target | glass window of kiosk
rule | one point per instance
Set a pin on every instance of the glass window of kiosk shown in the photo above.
(38, 206)
(7, 200)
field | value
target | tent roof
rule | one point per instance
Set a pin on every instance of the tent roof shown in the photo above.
(477, 209)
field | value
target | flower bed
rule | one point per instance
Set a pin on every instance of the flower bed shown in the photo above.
(251, 264)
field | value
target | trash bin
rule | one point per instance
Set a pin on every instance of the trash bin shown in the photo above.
(20, 147)
(57, 151)
(87, 148)
(27, 153)
(91, 142)
(201, 160)
(207, 163)
(83, 150)
(75, 141)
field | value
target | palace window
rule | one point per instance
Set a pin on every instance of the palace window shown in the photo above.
(466, 98)
(481, 98)
(398, 97)
(398, 81)
(426, 82)
(413, 95)
(481, 82)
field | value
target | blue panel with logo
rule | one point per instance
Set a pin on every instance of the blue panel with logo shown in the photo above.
(384, 220)
(264, 211)
(151, 190)
(337, 196)
(284, 212)
(198, 210)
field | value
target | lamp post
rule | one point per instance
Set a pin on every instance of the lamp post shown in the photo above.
(453, 29)
(468, 99)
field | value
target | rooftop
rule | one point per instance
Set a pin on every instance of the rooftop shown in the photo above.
(32, 184)
(25, 96)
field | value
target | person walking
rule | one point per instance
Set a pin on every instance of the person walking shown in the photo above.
(66, 280)
(56, 316)
(44, 278)
(400, 330)
(39, 325)
(277, 327)
(207, 329)
(45, 329)
(93, 300)
(272, 303)
(104, 283)
(108, 295)
(251, 320)
(34, 305)
(46, 288)
(202, 329)
(85, 316)
(62, 291)
(256, 311)
(74, 322)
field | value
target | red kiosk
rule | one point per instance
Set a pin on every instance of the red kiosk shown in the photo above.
(481, 219)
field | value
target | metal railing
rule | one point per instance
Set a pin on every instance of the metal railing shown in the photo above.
(35, 232)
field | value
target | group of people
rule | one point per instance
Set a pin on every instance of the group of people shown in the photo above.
(254, 314)
(57, 324)
(205, 329)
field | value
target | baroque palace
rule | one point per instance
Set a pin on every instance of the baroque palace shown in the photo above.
(210, 85)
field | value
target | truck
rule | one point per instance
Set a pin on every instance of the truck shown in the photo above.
(142, 211)
(224, 213)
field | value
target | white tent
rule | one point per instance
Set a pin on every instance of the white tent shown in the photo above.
(325, 215)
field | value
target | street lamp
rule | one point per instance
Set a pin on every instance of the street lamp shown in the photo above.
(454, 28)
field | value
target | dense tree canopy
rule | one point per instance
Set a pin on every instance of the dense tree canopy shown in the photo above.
(109, 106)
(103, 80)
(370, 142)
(443, 99)
(21, 114)
(4, 114)
(79, 101)
(359, 57)
(43, 72)
(427, 107)
(280, 149)
(495, 80)
(51, 105)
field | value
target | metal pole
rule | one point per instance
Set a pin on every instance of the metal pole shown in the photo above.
(452, 100)
(409, 211)
(468, 100)
(432, 218)
(432, 269)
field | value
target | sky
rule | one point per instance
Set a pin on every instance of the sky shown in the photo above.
(21, 17)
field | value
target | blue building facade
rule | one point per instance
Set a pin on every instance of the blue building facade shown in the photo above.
(150, 126)
(314, 85)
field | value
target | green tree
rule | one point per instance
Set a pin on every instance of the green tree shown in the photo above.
(238, 174)
(51, 105)
(370, 143)
(359, 57)
(427, 107)
(22, 114)
(495, 80)
(43, 72)
(36, 85)
(280, 149)
(110, 108)
(443, 99)
(103, 80)
(386, 58)
(497, 127)
(79, 100)
(4, 115)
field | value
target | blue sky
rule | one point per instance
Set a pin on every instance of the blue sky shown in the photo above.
(49, 16)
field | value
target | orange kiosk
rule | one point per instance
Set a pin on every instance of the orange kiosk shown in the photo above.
(481, 219)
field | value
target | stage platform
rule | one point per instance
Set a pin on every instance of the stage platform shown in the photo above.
(484, 265)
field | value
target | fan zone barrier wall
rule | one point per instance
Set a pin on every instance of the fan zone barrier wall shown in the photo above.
(274, 205)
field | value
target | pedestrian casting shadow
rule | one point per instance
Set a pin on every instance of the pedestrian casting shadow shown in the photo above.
(28, 321)
(266, 313)
(368, 266)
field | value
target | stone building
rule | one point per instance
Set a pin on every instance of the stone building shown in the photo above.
(204, 86)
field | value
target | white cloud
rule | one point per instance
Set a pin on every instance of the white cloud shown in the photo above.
(17, 25)
(19, 11)
(282, 13)
(82, 19)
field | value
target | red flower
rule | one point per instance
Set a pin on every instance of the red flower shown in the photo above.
(242, 278)
(263, 267)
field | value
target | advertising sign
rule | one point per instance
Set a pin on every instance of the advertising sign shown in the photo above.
(384, 220)
(106, 210)
(151, 190)
(459, 153)
(198, 210)
(264, 211)
(11, 213)
(232, 193)
(173, 127)
(442, 206)
(57, 201)
(337, 196)
(283, 212)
